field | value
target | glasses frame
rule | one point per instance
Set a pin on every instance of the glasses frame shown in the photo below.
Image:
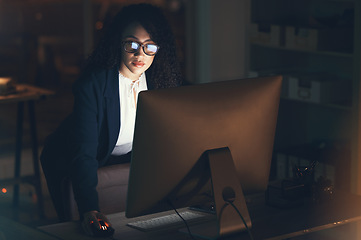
(140, 45)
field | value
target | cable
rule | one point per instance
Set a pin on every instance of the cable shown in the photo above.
(244, 222)
(227, 202)
(185, 222)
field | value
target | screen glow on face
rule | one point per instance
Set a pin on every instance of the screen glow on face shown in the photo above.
(133, 46)
(138, 51)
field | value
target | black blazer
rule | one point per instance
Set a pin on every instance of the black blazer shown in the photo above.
(86, 138)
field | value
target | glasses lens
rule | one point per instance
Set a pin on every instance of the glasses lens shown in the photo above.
(131, 46)
(151, 49)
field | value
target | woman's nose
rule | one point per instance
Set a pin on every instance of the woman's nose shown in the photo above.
(140, 52)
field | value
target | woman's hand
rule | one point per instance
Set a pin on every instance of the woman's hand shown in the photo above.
(92, 217)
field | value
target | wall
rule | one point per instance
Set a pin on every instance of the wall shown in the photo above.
(229, 21)
(216, 46)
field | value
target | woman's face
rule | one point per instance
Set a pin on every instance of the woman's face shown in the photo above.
(134, 64)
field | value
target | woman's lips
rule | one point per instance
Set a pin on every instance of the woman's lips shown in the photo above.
(138, 64)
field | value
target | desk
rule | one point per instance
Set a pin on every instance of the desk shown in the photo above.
(13, 230)
(268, 222)
(25, 94)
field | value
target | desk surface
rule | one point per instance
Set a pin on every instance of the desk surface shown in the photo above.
(268, 222)
(25, 92)
(13, 230)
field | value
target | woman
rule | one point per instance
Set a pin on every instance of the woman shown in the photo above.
(136, 53)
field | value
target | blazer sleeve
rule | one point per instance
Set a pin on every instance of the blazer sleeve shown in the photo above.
(83, 142)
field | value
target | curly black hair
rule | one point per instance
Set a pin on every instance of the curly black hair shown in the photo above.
(165, 70)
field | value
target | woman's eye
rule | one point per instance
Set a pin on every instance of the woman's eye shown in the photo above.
(134, 45)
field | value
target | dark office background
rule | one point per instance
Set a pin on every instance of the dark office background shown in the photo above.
(45, 42)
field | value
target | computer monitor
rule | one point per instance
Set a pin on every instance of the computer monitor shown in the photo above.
(200, 143)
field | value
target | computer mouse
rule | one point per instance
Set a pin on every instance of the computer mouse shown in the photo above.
(104, 230)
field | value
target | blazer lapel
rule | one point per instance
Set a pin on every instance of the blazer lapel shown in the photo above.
(112, 104)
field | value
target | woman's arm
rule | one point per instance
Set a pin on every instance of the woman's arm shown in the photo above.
(83, 143)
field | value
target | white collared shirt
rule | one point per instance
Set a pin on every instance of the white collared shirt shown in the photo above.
(128, 95)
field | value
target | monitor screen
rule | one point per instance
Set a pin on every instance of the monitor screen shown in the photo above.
(179, 130)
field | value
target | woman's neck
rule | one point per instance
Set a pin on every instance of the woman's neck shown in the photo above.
(132, 77)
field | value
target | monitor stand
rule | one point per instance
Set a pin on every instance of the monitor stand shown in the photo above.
(228, 195)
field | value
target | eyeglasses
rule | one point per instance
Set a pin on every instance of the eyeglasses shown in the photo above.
(149, 49)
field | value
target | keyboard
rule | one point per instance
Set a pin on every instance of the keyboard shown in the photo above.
(167, 221)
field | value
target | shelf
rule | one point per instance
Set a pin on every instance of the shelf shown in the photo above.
(327, 53)
(346, 1)
(334, 106)
(331, 31)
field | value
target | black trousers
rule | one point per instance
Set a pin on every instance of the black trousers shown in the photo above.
(56, 176)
